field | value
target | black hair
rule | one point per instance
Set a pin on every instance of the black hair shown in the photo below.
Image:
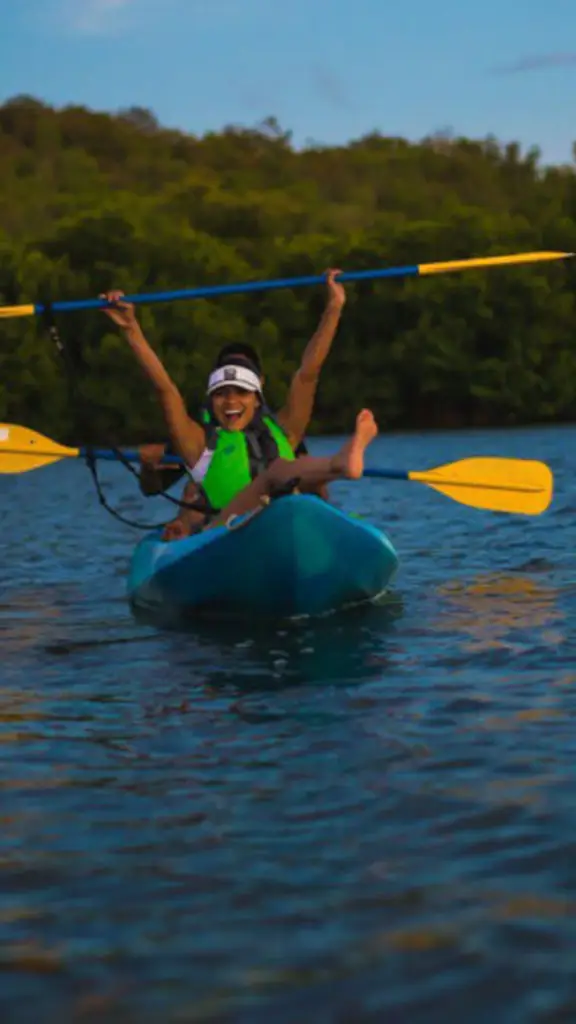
(245, 352)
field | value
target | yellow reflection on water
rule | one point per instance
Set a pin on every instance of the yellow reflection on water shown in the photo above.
(18, 706)
(32, 615)
(493, 605)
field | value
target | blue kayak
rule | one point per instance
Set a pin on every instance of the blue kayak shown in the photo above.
(297, 556)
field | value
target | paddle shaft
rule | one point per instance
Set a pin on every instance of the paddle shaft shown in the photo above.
(212, 291)
(174, 460)
(128, 455)
(133, 456)
(376, 474)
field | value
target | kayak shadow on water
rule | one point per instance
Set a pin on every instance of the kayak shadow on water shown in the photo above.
(347, 647)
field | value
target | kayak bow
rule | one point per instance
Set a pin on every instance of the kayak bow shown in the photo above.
(297, 556)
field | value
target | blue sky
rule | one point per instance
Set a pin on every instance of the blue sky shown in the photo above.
(329, 71)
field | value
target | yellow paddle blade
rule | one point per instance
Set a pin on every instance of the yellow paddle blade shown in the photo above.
(22, 449)
(501, 485)
(8, 311)
(491, 261)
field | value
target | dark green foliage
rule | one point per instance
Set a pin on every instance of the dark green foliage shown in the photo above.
(92, 201)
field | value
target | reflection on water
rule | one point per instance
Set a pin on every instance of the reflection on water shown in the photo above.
(493, 608)
(367, 817)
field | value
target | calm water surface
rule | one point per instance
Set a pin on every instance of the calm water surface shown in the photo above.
(372, 818)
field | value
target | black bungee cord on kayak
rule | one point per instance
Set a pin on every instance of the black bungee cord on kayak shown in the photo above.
(71, 366)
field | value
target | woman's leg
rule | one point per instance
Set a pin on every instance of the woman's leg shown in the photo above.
(310, 471)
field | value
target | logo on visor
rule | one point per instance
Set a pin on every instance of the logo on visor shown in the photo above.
(230, 373)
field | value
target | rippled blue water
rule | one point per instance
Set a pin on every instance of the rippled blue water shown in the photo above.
(372, 818)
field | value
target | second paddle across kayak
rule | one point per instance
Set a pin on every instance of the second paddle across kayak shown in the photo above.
(297, 556)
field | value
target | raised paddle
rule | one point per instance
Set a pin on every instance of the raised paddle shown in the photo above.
(520, 486)
(211, 291)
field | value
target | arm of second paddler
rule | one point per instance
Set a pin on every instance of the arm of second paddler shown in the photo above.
(156, 478)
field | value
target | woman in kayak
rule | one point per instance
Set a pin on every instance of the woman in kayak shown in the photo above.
(297, 413)
(238, 436)
(156, 478)
(307, 472)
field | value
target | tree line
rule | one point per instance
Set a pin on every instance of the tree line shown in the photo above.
(91, 201)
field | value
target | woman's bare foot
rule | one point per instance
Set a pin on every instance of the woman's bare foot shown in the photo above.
(350, 459)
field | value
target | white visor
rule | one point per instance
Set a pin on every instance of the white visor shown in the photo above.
(233, 376)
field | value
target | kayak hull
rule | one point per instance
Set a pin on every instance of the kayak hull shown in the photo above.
(298, 556)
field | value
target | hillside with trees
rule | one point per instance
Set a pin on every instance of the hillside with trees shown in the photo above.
(90, 201)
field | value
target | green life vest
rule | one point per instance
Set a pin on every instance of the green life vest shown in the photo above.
(233, 458)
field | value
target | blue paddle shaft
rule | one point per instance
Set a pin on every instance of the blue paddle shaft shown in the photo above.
(387, 474)
(232, 289)
(174, 460)
(107, 455)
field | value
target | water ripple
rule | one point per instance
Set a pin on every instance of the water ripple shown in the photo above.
(367, 818)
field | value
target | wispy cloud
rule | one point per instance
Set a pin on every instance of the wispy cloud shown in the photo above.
(539, 62)
(96, 17)
(109, 17)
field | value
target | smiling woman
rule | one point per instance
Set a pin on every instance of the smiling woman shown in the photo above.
(238, 437)
(236, 392)
(242, 438)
